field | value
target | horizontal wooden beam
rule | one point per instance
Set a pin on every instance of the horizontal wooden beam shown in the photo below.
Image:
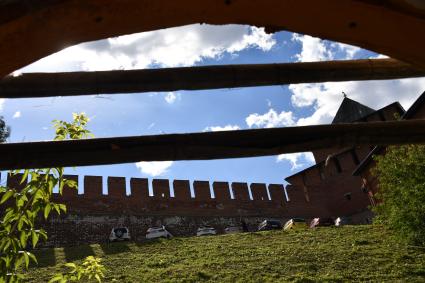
(205, 77)
(31, 30)
(208, 145)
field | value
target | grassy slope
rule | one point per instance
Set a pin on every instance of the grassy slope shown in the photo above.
(352, 253)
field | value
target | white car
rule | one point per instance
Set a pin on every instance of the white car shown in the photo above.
(205, 231)
(158, 232)
(119, 234)
(232, 230)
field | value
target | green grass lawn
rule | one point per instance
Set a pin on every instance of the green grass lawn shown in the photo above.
(351, 253)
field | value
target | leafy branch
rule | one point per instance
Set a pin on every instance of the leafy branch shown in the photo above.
(21, 208)
(89, 269)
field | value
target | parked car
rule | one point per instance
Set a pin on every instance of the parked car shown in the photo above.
(232, 230)
(119, 234)
(158, 232)
(270, 225)
(322, 222)
(295, 223)
(206, 231)
(341, 221)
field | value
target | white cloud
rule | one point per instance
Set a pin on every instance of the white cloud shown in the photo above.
(349, 50)
(219, 128)
(256, 37)
(273, 119)
(170, 97)
(270, 119)
(180, 46)
(316, 49)
(16, 115)
(326, 97)
(297, 160)
(154, 168)
(313, 49)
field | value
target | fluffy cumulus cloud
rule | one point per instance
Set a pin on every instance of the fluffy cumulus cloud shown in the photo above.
(297, 160)
(326, 97)
(270, 119)
(313, 49)
(180, 46)
(154, 168)
(220, 128)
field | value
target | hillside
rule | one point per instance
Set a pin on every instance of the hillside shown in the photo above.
(351, 253)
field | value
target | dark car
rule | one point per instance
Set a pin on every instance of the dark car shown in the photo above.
(322, 222)
(270, 225)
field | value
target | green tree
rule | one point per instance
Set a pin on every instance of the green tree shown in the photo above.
(4, 130)
(21, 209)
(401, 177)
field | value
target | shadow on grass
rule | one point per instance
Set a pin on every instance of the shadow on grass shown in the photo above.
(115, 248)
(158, 241)
(45, 257)
(77, 253)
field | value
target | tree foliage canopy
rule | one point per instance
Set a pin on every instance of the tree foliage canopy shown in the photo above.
(4, 130)
(401, 176)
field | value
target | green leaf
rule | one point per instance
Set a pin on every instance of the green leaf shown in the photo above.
(72, 184)
(21, 222)
(62, 207)
(42, 233)
(61, 186)
(57, 278)
(26, 258)
(33, 258)
(24, 176)
(34, 238)
(51, 183)
(6, 196)
(71, 265)
(47, 209)
(23, 239)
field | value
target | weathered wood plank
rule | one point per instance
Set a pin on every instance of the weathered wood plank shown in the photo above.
(205, 77)
(31, 30)
(209, 145)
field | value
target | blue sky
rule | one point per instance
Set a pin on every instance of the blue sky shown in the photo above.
(195, 111)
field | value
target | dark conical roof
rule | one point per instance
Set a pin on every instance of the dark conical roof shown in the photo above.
(350, 111)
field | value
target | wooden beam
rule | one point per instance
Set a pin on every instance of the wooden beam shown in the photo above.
(205, 77)
(31, 30)
(209, 145)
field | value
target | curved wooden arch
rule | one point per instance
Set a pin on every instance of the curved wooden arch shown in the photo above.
(30, 30)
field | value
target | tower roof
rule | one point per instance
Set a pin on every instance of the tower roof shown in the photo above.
(350, 111)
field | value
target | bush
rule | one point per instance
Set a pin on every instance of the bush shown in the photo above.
(401, 176)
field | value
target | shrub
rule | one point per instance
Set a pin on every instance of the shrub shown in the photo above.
(401, 177)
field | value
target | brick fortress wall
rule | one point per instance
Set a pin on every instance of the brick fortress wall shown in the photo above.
(92, 214)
